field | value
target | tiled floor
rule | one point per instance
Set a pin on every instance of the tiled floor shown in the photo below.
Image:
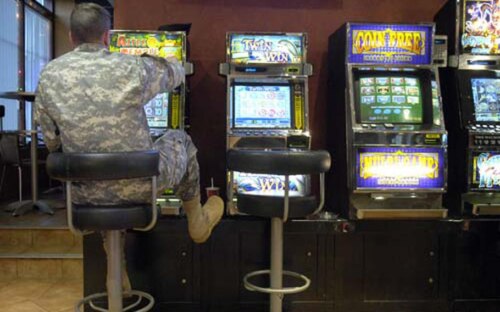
(40, 263)
(32, 295)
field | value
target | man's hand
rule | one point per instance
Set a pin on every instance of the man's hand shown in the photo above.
(179, 75)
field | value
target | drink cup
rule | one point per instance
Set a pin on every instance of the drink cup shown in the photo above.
(212, 190)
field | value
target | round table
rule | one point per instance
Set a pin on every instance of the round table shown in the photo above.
(20, 208)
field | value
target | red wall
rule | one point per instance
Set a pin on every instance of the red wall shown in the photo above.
(213, 18)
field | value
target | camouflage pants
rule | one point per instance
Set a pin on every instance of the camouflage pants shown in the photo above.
(179, 169)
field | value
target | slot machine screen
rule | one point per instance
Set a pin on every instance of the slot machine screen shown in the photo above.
(157, 111)
(486, 99)
(390, 99)
(481, 27)
(262, 106)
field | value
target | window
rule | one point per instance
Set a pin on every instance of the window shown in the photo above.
(48, 4)
(37, 52)
(9, 60)
(21, 72)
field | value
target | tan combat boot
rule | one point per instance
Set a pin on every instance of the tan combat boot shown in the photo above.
(201, 221)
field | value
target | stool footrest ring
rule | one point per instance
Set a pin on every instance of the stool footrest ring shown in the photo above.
(284, 290)
(132, 293)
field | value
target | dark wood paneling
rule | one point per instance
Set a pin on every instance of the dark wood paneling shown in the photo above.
(381, 266)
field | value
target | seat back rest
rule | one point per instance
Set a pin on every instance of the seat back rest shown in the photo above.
(102, 166)
(279, 162)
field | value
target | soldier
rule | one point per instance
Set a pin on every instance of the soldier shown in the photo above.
(91, 100)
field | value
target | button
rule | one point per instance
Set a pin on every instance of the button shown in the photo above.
(364, 126)
(491, 126)
(373, 125)
(484, 126)
(389, 125)
(473, 127)
(486, 142)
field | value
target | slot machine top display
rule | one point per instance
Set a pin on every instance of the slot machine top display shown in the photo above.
(166, 110)
(267, 53)
(475, 38)
(159, 43)
(480, 27)
(393, 83)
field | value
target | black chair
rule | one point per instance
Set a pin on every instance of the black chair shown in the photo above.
(111, 219)
(278, 208)
(11, 156)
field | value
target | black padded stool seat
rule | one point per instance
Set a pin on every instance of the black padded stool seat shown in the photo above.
(100, 218)
(110, 219)
(106, 166)
(278, 208)
(280, 162)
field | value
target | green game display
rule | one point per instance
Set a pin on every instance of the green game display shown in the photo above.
(390, 100)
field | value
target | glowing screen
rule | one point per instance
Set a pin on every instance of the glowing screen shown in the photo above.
(262, 106)
(486, 98)
(390, 100)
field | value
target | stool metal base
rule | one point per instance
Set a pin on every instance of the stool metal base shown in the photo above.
(133, 293)
(283, 290)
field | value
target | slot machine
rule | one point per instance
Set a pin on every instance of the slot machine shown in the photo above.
(166, 110)
(267, 104)
(394, 143)
(472, 94)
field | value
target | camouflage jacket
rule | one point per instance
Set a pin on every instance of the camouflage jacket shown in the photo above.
(91, 100)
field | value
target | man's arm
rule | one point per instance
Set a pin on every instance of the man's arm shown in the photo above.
(49, 129)
(159, 75)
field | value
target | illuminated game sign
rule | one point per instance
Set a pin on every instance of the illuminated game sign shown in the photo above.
(390, 44)
(269, 185)
(486, 170)
(481, 27)
(266, 49)
(153, 43)
(399, 168)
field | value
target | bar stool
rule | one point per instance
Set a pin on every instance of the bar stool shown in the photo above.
(278, 208)
(111, 219)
